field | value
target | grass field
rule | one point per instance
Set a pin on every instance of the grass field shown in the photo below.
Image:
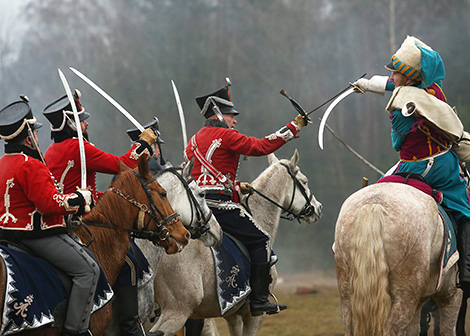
(313, 308)
(315, 312)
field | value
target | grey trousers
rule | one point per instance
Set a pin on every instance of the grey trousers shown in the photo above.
(66, 254)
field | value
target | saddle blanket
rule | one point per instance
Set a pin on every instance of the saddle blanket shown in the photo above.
(35, 295)
(232, 274)
(449, 254)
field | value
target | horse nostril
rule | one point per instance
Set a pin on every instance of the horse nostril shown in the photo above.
(188, 235)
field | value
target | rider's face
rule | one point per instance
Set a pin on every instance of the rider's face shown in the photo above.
(399, 79)
(230, 119)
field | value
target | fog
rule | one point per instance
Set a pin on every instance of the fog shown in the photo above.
(310, 48)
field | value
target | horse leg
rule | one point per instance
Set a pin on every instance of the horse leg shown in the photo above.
(415, 326)
(210, 328)
(252, 325)
(448, 307)
(342, 276)
(235, 324)
(461, 317)
(170, 322)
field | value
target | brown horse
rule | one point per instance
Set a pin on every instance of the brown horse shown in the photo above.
(388, 244)
(135, 202)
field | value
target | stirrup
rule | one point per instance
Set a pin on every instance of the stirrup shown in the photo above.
(279, 306)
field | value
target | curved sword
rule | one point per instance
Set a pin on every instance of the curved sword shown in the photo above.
(181, 113)
(81, 146)
(327, 113)
(109, 99)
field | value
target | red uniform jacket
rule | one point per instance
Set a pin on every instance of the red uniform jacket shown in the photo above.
(30, 204)
(63, 160)
(222, 147)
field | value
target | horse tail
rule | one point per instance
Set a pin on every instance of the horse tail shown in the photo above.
(370, 299)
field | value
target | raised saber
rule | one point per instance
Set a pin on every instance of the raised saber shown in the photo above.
(109, 99)
(327, 113)
(181, 114)
(81, 145)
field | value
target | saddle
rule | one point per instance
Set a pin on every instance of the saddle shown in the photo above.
(414, 180)
(36, 293)
(232, 273)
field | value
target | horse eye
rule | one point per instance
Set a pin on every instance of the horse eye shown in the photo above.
(202, 194)
(163, 194)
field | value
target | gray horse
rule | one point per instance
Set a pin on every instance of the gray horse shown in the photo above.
(185, 285)
(187, 199)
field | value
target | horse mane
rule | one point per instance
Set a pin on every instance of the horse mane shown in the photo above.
(264, 180)
(108, 209)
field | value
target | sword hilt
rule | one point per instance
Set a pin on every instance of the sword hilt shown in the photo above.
(297, 107)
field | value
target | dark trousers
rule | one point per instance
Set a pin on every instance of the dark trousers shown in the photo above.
(236, 221)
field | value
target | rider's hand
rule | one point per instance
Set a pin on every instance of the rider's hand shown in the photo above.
(83, 200)
(376, 84)
(300, 121)
(246, 188)
(149, 136)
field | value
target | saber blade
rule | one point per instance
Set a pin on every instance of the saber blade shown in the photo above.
(327, 113)
(109, 99)
(181, 114)
(81, 145)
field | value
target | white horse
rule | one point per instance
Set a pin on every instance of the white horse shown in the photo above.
(185, 286)
(388, 243)
(186, 199)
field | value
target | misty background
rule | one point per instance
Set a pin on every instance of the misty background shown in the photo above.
(310, 48)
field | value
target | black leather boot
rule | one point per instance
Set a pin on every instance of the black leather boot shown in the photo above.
(463, 246)
(127, 307)
(259, 281)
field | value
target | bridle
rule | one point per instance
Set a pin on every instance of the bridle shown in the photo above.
(308, 209)
(200, 227)
(161, 232)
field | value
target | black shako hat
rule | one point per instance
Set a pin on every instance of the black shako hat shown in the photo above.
(60, 111)
(14, 119)
(221, 98)
(134, 133)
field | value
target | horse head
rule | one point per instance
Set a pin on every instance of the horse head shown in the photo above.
(299, 200)
(188, 200)
(142, 202)
(212, 233)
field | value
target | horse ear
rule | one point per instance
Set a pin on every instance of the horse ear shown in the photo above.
(294, 159)
(272, 158)
(122, 167)
(143, 166)
(188, 168)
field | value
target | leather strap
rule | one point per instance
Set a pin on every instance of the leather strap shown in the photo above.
(214, 172)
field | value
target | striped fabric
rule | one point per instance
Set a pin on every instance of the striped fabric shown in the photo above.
(405, 69)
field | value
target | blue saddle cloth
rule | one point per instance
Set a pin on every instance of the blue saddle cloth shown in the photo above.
(136, 269)
(232, 273)
(35, 296)
(449, 254)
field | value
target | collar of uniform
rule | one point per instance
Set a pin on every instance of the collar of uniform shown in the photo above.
(11, 148)
(215, 123)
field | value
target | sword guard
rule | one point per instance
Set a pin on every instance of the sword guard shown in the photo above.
(356, 88)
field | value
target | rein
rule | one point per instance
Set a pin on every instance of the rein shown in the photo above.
(161, 233)
(308, 209)
(201, 220)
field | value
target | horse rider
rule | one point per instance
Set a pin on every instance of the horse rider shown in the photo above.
(424, 148)
(216, 149)
(63, 159)
(32, 212)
